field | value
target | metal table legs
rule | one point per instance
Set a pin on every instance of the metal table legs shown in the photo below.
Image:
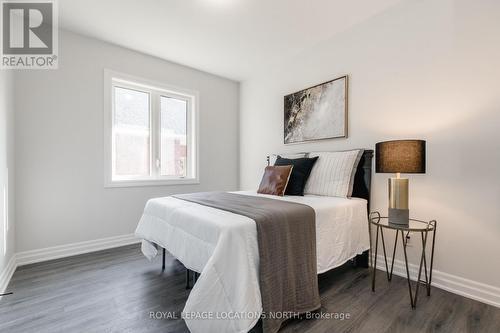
(423, 260)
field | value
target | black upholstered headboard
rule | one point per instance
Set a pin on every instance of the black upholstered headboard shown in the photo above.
(363, 177)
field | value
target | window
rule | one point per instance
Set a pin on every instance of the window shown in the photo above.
(150, 132)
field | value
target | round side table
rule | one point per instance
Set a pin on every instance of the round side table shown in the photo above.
(413, 226)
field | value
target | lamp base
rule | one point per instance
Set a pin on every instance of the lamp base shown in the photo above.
(399, 216)
(398, 201)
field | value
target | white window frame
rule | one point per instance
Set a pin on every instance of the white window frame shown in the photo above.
(156, 90)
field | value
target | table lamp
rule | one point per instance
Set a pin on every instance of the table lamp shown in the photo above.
(399, 156)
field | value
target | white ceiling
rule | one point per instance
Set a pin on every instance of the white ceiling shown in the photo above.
(231, 38)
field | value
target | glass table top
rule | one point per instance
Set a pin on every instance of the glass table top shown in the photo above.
(413, 224)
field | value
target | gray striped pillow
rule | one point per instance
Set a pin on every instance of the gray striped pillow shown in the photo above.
(333, 173)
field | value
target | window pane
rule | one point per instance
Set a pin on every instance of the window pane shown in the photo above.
(173, 137)
(131, 132)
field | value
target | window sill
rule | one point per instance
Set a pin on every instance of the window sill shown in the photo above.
(146, 183)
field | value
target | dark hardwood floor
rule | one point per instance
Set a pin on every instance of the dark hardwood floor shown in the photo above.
(115, 291)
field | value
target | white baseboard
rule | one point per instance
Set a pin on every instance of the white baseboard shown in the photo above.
(61, 251)
(68, 250)
(6, 274)
(468, 288)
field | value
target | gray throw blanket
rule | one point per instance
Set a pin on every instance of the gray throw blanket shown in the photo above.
(286, 233)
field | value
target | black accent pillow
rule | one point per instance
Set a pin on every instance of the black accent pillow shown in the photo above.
(300, 173)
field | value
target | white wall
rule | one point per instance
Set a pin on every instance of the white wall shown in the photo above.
(424, 69)
(60, 194)
(6, 171)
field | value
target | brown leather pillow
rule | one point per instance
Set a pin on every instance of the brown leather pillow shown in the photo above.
(275, 180)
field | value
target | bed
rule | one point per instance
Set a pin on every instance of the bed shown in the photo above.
(222, 247)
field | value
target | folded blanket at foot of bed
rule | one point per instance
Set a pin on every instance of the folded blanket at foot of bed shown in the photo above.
(286, 234)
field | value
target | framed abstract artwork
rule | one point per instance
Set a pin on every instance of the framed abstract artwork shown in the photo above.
(317, 113)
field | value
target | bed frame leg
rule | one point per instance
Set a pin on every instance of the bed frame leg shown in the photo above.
(188, 285)
(362, 259)
(191, 276)
(163, 261)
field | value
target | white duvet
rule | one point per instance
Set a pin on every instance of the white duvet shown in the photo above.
(223, 247)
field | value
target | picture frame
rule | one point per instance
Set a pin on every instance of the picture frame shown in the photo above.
(316, 113)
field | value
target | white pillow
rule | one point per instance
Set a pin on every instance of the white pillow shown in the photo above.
(333, 173)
